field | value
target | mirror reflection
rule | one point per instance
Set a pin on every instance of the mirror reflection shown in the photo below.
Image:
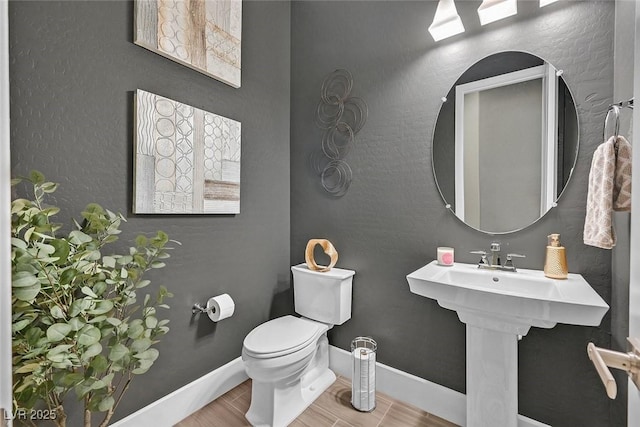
(505, 142)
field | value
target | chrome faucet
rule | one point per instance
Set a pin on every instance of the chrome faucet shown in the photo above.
(493, 261)
(495, 253)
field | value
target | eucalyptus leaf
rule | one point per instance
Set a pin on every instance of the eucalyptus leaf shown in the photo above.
(114, 321)
(141, 240)
(51, 211)
(20, 325)
(117, 352)
(77, 237)
(91, 351)
(109, 261)
(93, 255)
(99, 364)
(36, 177)
(49, 187)
(28, 233)
(58, 331)
(62, 348)
(44, 248)
(102, 307)
(70, 379)
(98, 319)
(151, 322)
(61, 250)
(97, 385)
(83, 388)
(18, 243)
(58, 358)
(56, 312)
(140, 345)
(88, 335)
(106, 404)
(87, 291)
(125, 259)
(143, 366)
(68, 275)
(24, 279)
(28, 293)
(142, 284)
(135, 330)
(99, 288)
(149, 355)
(30, 367)
(76, 308)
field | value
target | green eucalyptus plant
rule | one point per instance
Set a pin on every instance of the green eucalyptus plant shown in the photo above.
(78, 324)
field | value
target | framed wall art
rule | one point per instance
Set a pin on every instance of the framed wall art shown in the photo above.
(186, 160)
(205, 35)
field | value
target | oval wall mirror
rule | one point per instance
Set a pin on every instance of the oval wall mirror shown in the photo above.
(505, 142)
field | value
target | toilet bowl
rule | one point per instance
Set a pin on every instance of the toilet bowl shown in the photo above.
(287, 358)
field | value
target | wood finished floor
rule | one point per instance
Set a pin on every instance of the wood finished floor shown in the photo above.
(332, 409)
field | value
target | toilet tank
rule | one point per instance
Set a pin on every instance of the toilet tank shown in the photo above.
(325, 297)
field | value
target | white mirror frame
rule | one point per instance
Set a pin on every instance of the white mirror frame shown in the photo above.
(549, 77)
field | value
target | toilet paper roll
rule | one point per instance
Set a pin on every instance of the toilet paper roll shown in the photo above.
(363, 386)
(220, 307)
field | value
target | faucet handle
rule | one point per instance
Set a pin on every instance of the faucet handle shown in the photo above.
(511, 256)
(483, 254)
(508, 264)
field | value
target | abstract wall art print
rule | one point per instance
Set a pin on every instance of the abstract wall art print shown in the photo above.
(205, 35)
(186, 160)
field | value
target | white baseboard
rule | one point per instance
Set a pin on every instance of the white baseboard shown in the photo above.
(183, 402)
(426, 395)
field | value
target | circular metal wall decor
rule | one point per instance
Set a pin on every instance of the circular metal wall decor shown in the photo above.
(342, 116)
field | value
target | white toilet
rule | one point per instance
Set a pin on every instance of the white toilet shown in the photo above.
(288, 358)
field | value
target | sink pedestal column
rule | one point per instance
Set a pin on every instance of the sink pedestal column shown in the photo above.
(492, 368)
(492, 378)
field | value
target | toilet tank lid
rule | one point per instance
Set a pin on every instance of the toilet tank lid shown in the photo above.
(335, 272)
(282, 334)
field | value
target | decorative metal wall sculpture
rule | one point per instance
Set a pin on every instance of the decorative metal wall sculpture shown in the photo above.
(204, 35)
(186, 160)
(342, 116)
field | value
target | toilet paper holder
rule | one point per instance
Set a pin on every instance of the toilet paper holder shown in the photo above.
(199, 308)
(217, 308)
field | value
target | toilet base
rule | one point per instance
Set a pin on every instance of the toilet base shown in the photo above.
(278, 407)
(278, 404)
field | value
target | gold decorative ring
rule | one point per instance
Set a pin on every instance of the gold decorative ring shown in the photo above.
(328, 249)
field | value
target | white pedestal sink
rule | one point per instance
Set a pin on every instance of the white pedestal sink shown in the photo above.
(498, 308)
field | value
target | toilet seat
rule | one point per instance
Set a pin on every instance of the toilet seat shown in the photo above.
(282, 336)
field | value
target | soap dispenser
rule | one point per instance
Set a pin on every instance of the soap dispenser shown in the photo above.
(555, 264)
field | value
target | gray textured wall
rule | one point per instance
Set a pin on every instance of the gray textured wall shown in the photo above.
(74, 69)
(392, 218)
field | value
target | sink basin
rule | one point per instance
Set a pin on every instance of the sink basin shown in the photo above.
(499, 308)
(508, 283)
(525, 297)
